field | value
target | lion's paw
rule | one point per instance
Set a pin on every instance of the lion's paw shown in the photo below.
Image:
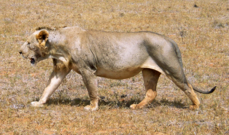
(90, 108)
(133, 106)
(36, 104)
(193, 107)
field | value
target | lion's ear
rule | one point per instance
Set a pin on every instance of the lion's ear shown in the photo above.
(42, 37)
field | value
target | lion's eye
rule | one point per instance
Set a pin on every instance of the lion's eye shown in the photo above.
(28, 43)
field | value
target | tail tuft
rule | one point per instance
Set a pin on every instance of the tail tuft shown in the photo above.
(212, 90)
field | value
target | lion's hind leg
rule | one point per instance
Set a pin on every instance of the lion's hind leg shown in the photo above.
(180, 80)
(193, 97)
(188, 90)
(150, 81)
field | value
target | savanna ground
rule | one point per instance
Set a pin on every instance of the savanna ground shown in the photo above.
(199, 27)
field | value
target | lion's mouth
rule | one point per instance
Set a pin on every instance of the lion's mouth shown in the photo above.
(32, 61)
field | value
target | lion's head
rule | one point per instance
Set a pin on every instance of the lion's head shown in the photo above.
(36, 46)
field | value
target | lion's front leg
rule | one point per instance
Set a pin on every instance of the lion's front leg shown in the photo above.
(90, 82)
(54, 81)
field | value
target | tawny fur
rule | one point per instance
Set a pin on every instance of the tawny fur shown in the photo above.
(110, 55)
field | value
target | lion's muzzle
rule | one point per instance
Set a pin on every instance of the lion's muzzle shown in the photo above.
(21, 54)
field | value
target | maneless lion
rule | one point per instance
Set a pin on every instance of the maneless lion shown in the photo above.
(107, 54)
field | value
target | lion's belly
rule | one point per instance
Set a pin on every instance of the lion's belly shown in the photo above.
(121, 74)
(125, 68)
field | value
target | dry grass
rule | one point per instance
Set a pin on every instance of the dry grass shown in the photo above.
(200, 27)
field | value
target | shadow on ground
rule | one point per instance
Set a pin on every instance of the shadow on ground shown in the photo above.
(122, 103)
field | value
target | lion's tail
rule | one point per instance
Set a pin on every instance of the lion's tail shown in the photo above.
(204, 92)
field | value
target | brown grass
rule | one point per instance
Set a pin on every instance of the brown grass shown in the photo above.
(199, 27)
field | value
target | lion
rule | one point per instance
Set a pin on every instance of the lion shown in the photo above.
(111, 55)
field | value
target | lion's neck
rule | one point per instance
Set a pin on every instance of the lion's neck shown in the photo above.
(58, 50)
(55, 38)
